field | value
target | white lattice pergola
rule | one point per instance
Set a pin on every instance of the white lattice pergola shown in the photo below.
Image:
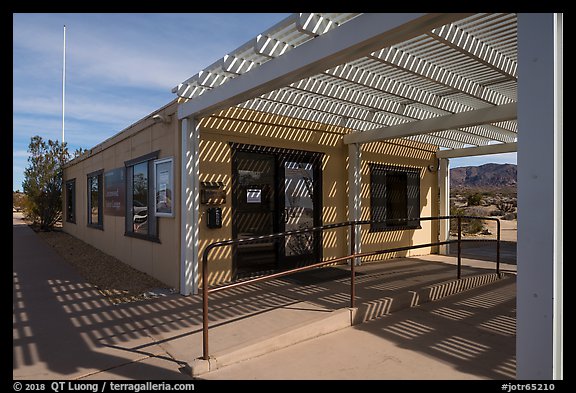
(449, 80)
(431, 67)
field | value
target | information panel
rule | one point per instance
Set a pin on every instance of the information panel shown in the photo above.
(115, 192)
(164, 187)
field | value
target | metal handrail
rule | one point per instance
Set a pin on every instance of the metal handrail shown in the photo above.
(206, 290)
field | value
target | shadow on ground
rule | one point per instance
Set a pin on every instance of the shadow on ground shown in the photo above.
(63, 328)
(485, 250)
(474, 331)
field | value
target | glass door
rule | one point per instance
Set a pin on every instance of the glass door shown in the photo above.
(275, 190)
(254, 211)
(299, 188)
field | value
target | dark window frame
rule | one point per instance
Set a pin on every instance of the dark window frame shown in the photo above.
(99, 175)
(380, 201)
(70, 198)
(153, 229)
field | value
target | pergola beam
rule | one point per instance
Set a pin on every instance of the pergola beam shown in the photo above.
(478, 151)
(458, 120)
(468, 45)
(438, 141)
(425, 69)
(359, 37)
(496, 133)
(361, 77)
(371, 102)
(463, 136)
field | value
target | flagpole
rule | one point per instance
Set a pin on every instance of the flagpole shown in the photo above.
(63, 82)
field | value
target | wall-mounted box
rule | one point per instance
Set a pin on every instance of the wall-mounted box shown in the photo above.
(214, 217)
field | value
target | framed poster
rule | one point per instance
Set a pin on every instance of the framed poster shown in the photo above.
(115, 192)
(164, 187)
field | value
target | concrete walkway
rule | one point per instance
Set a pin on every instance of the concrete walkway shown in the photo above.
(65, 329)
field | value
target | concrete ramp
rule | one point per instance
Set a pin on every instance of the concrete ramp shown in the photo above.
(312, 307)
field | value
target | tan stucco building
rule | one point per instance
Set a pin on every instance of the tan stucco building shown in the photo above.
(266, 173)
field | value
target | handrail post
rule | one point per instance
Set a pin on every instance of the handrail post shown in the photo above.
(498, 248)
(205, 354)
(459, 246)
(352, 264)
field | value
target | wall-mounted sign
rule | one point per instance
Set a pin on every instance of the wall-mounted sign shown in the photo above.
(212, 193)
(115, 192)
(164, 187)
(253, 195)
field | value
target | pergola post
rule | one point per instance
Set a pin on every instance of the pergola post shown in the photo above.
(189, 207)
(444, 200)
(540, 232)
(354, 192)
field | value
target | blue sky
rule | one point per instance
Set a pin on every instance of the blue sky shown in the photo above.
(119, 68)
(504, 158)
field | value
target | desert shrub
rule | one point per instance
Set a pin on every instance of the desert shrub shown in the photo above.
(475, 225)
(505, 207)
(469, 225)
(18, 200)
(43, 182)
(455, 211)
(474, 199)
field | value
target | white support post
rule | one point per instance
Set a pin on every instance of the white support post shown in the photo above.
(354, 192)
(444, 186)
(558, 334)
(189, 207)
(540, 231)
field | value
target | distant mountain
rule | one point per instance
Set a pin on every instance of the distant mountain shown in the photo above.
(486, 176)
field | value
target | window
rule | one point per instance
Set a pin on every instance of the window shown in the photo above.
(71, 201)
(394, 197)
(141, 219)
(94, 193)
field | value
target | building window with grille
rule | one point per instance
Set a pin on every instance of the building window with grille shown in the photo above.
(394, 197)
(71, 201)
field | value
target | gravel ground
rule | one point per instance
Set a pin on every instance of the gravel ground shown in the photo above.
(119, 282)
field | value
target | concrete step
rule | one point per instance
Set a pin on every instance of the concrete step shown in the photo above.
(305, 320)
(282, 338)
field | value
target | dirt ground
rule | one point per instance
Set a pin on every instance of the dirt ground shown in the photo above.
(508, 230)
(119, 282)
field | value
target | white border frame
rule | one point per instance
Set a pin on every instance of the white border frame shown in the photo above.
(156, 163)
